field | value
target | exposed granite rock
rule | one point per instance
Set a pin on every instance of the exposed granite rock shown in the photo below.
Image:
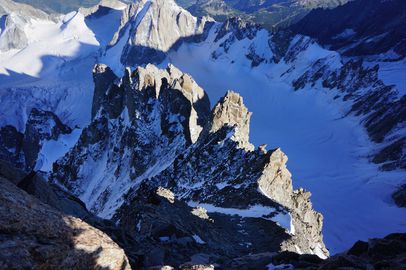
(235, 29)
(166, 193)
(40, 126)
(231, 111)
(182, 238)
(359, 28)
(149, 37)
(238, 28)
(103, 78)
(392, 156)
(216, 170)
(35, 236)
(276, 183)
(279, 44)
(385, 253)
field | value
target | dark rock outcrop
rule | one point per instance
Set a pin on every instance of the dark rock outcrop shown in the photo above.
(400, 196)
(359, 28)
(22, 149)
(385, 253)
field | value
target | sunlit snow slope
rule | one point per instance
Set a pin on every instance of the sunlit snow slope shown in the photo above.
(54, 71)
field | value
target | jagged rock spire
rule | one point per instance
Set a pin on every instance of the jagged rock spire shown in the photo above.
(103, 78)
(231, 111)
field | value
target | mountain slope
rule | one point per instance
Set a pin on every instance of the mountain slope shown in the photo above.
(59, 6)
(203, 158)
(360, 28)
(342, 116)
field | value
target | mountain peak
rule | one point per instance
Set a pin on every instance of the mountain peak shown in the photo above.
(155, 28)
(231, 111)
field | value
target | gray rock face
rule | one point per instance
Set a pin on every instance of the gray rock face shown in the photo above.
(230, 111)
(35, 236)
(154, 131)
(152, 28)
(22, 149)
(378, 253)
(13, 18)
(40, 126)
(103, 78)
(182, 238)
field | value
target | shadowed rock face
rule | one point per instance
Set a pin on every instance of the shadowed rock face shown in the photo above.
(359, 28)
(378, 253)
(35, 236)
(22, 149)
(400, 196)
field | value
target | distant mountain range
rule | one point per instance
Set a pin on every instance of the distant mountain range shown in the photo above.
(59, 6)
(269, 13)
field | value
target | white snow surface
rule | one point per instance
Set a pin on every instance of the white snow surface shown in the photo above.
(394, 73)
(328, 153)
(198, 239)
(54, 72)
(255, 211)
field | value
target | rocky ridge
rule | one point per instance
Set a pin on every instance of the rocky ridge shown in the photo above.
(159, 111)
(360, 28)
(202, 157)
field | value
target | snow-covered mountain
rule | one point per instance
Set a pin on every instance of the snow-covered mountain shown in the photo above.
(112, 136)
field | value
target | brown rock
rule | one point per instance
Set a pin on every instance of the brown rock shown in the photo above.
(35, 236)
